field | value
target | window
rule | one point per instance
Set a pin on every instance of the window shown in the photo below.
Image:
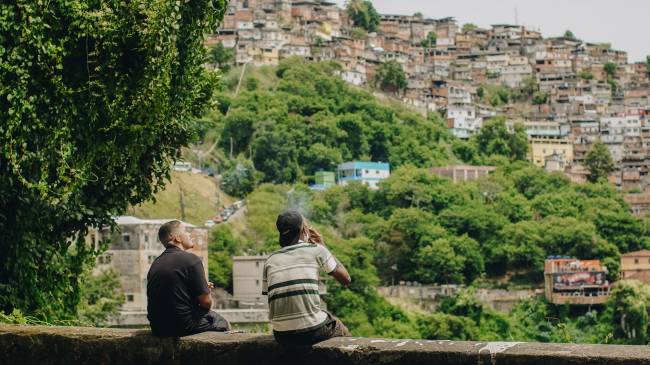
(146, 238)
(257, 282)
(257, 264)
(129, 297)
(151, 259)
(126, 237)
(105, 259)
(636, 261)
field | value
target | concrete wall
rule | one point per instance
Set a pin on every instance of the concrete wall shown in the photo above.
(102, 346)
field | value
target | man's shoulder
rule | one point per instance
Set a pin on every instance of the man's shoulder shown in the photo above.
(289, 254)
(180, 258)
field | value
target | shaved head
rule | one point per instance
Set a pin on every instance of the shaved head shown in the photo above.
(167, 230)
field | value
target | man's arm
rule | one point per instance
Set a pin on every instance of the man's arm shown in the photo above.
(205, 300)
(199, 286)
(341, 274)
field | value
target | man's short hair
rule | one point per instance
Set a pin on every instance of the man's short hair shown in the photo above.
(167, 230)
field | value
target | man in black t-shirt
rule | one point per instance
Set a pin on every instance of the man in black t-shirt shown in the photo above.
(178, 295)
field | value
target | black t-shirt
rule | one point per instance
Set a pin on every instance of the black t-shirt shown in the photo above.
(175, 280)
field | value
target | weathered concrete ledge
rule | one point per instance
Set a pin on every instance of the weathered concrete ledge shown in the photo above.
(99, 346)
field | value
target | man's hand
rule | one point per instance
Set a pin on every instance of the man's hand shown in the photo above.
(210, 285)
(315, 236)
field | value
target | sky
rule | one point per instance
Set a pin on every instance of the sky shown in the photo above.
(623, 23)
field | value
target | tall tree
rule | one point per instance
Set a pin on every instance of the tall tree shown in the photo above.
(495, 139)
(647, 65)
(569, 34)
(97, 99)
(363, 14)
(220, 56)
(599, 162)
(430, 40)
(610, 69)
(390, 76)
(468, 27)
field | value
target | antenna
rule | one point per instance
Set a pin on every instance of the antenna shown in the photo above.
(516, 16)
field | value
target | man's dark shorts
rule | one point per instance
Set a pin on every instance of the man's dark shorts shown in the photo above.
(333, 327)
(211, 321)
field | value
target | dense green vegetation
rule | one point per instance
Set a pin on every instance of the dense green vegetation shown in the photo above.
(303, 118)
(450, 227)
(96, 98)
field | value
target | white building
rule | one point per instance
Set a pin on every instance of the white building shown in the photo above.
(368, 173)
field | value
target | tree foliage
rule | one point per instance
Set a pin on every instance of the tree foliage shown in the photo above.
(310, 120)
(610, 69)
(97, 98)
(220, 56)
(363, 14)
(468, 27)
(390, 76)
(540, 97)
(495, 139)
(599, 162)
(430, 40)
(221, 248)
(101, 297)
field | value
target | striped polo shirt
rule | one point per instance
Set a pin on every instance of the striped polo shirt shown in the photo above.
(291, 281)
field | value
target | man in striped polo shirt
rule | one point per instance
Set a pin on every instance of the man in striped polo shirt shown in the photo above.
(291, 282)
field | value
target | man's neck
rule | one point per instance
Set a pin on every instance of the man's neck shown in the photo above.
(173, 246)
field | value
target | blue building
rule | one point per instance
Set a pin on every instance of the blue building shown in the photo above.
(368, 173)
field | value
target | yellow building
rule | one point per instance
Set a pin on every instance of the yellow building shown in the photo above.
(542, 147)
(636, 265)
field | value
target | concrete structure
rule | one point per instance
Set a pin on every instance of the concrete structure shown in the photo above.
(462, 173)
(368, 173)
(428, 297)
(576, 282)
(247, 273)
(639, 203)
(636, 266)
(133, 248)
(45, 345)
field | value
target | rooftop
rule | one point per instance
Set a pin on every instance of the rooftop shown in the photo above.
(127, 220)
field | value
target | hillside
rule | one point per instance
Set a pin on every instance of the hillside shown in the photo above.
(201, 197)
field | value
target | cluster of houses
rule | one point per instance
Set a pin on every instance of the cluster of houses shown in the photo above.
(590, 91)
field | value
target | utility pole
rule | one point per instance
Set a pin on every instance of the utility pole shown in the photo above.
(516, 16)
(182, 203)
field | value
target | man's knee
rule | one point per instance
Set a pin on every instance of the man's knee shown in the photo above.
(218, 321)
(340, 330)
